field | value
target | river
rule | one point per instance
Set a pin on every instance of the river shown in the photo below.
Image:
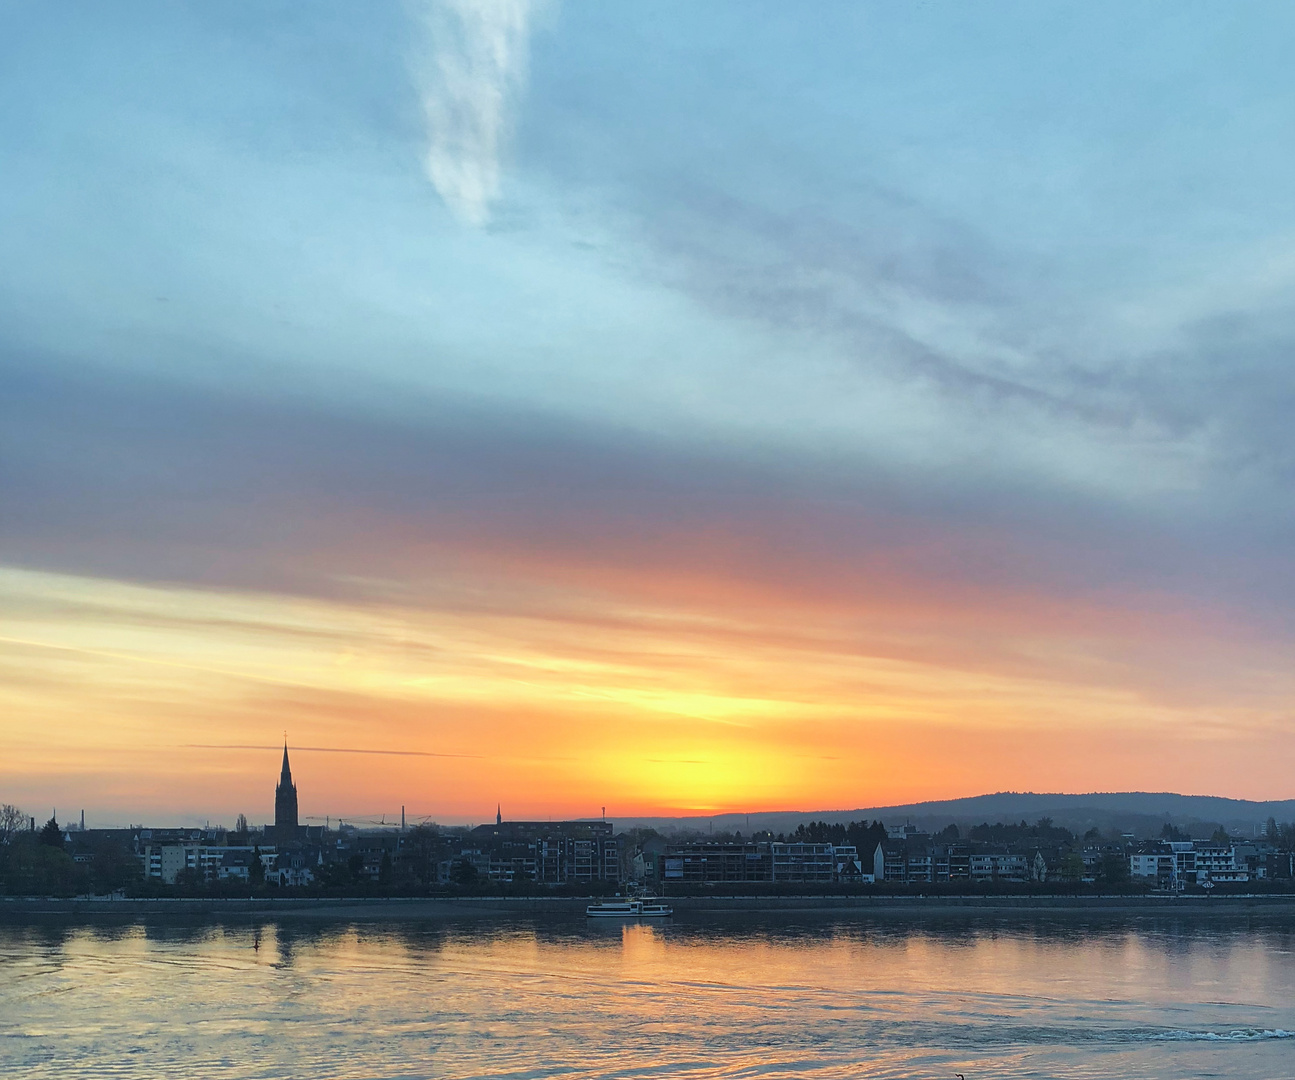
(706, 997)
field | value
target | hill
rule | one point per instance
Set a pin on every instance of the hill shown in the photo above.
(1140, 812)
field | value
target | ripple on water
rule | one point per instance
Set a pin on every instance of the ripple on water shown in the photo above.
(529, 1002)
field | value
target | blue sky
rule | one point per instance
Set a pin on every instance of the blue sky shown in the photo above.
(987, 301)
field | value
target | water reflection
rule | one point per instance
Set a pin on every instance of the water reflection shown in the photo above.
(700, 997)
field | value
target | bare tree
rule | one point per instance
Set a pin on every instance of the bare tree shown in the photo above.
(11, 821)
(241, 825)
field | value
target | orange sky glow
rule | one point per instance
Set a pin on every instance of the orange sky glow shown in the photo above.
(139, 701)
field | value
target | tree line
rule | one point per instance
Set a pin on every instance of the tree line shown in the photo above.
(34, 862)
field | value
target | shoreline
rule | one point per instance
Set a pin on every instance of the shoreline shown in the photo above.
(469, 908)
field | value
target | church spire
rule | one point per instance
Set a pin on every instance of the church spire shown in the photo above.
(499, 813)
(285, 801)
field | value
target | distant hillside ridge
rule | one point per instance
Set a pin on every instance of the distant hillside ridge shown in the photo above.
(1140, 812)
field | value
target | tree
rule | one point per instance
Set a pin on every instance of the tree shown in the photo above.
(256, 871)
(865, 837)
(1271, 830)
(464, 874)
(1115, 868)
(1220, 837)
(51, 835)
(818, 832)
(41, 869)
(1043, 831)
(1072, 867)
(240, 826)
(1173, 832)
(11, 821)
(419, 854)
(113, 865)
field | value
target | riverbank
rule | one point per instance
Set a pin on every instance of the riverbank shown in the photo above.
(689, 907)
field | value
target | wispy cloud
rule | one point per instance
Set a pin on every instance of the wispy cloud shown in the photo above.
(326, 750)
(469, 68)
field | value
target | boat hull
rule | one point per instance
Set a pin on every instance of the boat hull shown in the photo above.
(633, 910)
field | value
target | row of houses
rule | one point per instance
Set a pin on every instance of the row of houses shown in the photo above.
(166, 855)
(588, 852)
(923, 863)
(546, 853)
(1173, 864)
(916, 859)
(1163, 864)
(804, 863)
(543, 852)
(772, 861)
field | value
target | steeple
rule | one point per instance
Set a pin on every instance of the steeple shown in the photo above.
(285, 801)
(499, 813)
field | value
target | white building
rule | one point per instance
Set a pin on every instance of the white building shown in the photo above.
(1184, 862)
(998, 867)
(1219, 864)
(803, 862)
(164, 860)
(1152, 865)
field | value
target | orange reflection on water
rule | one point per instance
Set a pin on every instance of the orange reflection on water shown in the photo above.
(700, 997)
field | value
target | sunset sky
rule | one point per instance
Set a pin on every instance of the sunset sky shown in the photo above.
(669, 407)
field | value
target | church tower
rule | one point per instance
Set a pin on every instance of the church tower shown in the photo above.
(285, 802)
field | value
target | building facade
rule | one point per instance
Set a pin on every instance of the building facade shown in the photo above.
(768, 861)
(546, 852)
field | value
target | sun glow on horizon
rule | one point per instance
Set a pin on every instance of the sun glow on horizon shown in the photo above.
(545, 710)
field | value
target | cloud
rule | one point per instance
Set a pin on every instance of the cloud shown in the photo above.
(469, 68)
(326, 750)
(143, 479)
(1158, 391)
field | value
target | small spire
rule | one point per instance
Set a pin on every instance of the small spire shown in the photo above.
(499, 814)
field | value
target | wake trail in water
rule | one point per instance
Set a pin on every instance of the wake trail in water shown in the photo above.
(1236, 1035)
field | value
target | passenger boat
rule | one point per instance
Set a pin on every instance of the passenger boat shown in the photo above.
(634, 907)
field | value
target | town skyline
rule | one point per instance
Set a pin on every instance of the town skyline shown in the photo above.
(1134, 851)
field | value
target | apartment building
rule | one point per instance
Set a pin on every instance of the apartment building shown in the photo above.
(769, 861)
(916, 859)
(548, 852)
(986, 867)
(1179, 863)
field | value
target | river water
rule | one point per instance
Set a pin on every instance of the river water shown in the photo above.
(714, 998)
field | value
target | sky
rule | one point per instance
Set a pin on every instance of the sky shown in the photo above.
(669, 408)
